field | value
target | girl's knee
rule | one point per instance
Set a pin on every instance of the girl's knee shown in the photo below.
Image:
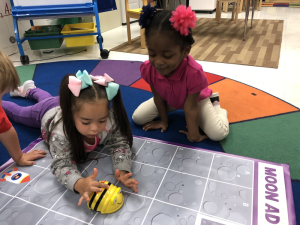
(218, 134)
(138, 118)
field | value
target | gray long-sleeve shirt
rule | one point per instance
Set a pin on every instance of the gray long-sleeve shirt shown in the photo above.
(62, 166)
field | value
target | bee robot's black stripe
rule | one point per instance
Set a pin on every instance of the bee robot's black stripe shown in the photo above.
(92, 199)
(101, 196)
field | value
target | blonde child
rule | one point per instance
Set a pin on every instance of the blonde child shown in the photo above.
(9, 79)
(177, 81)
(74, 123)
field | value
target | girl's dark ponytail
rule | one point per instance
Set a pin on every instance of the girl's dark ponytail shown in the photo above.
(121, 117)
(67, 103)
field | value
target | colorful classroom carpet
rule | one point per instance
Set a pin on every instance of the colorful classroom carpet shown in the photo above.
(269, 4)
(224, 43)
(261, 125)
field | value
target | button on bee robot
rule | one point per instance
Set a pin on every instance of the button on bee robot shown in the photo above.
(108, 201)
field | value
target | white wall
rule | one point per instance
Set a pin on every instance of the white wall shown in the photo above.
(112, 19)
(7, 28)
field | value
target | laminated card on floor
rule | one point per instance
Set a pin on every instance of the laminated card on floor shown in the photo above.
(177, 185)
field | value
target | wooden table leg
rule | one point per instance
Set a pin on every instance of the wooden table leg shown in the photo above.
(241, 5)
(233, 12)
(236, 10)
(128, 30)
(246, 18)
(143, 38)
(225, 6)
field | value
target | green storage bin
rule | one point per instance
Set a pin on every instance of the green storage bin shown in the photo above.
(64, 21)
(45, 43)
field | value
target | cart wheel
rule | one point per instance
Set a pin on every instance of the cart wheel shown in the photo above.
(12, 39)
(24, 59)
(98, 38)
(104, 53)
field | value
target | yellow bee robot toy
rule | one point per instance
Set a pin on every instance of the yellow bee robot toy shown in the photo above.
(108, 201)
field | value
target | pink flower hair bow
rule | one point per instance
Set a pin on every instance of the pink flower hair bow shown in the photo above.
(102, 80)
(110, 87)
(81, 81)
(183, 19)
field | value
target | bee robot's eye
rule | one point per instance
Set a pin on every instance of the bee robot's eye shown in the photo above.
(119, 190)
(113, 200)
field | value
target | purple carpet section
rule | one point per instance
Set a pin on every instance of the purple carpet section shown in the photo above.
(123, 72)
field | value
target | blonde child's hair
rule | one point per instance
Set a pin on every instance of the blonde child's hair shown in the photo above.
(9, 77)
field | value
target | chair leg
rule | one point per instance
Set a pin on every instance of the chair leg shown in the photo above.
(233, 11)
(241, 5)
(143, 38)
(219, 11)
(225, 6)
(128, 30)
(237, 7)
(260, 3)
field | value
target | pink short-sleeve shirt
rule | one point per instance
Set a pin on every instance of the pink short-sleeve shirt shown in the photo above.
(188, 78)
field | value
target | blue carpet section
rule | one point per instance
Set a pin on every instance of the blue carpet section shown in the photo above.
(49, 73)
(296, 194)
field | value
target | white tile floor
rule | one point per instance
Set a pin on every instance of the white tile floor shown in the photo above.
(283, 82)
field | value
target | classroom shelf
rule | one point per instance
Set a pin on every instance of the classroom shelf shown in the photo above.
(43, 11)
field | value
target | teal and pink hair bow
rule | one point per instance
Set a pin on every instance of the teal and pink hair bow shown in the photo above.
(110, 87)
(81, 81)
(84, 80)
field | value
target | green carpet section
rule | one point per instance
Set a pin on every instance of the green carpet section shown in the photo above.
(26, 72)
(274, 139)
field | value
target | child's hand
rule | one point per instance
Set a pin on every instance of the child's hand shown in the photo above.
(123, 176)
(156, 125)
(85, 186)
(194, 137)
(27, 158)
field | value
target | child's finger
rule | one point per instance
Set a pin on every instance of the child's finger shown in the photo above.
(117, 174)
(128, 175)
(37, 156)
(134, 181)
(94, 175)
(36, 151)
(147, 127)
(184, 132)
(80, 200)
(95, 189)
(134, 188)
(99, 185)
(86, 196)
(28, 163)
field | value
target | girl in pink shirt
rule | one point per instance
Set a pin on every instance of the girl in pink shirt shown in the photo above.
(177, 81)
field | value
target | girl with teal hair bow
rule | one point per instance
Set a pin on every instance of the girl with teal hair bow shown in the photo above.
(75, 123)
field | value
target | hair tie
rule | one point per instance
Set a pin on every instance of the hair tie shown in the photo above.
(147, 14)
(183, 19)
(81, 81)
(110, 87)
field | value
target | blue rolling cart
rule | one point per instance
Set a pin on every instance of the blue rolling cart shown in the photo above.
(56, 11)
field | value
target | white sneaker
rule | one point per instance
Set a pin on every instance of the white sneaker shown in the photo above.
(22, 90)
(214, 97)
